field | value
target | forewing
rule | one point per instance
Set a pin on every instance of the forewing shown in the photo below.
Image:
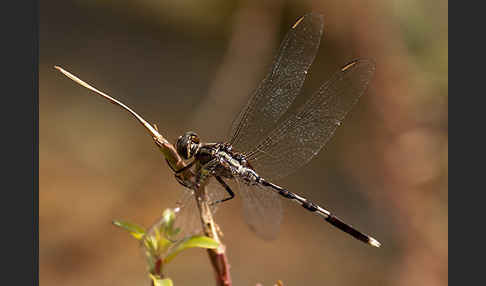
(262, 210)
(303, 134)
(279, 88)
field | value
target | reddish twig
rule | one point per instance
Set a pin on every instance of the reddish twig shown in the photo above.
(158, 270)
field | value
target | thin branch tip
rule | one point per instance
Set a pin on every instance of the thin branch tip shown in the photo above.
(152, 131)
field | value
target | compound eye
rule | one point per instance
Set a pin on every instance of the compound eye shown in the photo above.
(183, 147)
(195, 139)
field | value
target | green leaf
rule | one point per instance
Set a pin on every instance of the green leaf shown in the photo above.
(190, 242)
(151, 245)
(168, 218)
(163, 244)
(164, 282)
(135, 230)
(150, 261)
(155, 244)
(167, 223)
(161, 282)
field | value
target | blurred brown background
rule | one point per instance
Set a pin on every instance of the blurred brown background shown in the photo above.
(190, 65)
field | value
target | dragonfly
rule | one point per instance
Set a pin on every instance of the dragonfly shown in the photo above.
(268, 142)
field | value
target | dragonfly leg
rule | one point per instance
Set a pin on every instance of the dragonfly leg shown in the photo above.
(181, 169)
(177, 172)
(170, 166)
(182, 182)
(227, 188)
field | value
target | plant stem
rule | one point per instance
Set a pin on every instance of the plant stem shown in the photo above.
(217, 256)
(158, 270)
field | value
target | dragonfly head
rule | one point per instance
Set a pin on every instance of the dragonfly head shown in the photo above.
(187, 145)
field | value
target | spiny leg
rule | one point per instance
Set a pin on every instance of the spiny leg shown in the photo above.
(181, 169)
(170, 166)
(177, 172)
(328, 216)
(227, 188)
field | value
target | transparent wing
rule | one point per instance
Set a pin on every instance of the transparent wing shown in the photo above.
(216, 192)
(187, 215)
(304, 133)
(262, 210)
(279, 88)
(187, 212)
